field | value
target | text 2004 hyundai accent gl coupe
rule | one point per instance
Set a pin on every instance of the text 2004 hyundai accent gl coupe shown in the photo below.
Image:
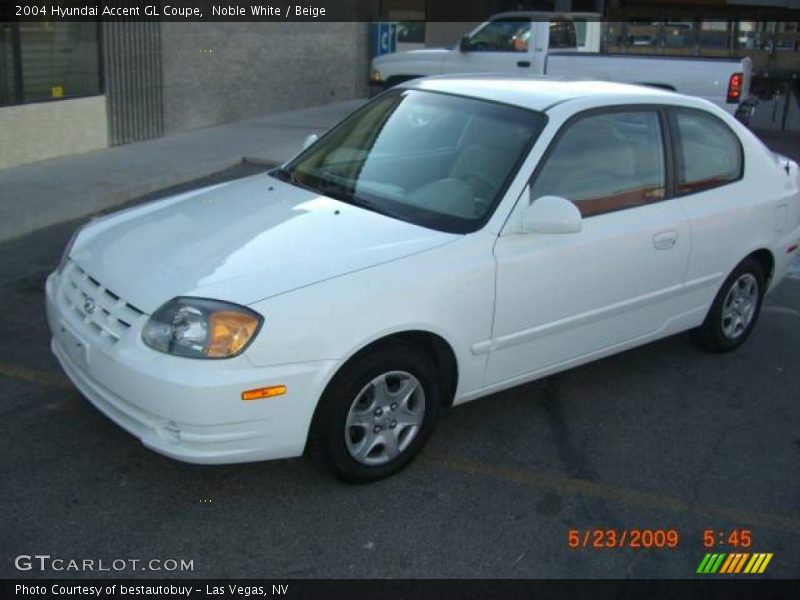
(451, 238)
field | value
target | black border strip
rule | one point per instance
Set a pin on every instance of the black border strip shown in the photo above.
(706, 587)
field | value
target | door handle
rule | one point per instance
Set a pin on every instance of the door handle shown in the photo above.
(665, 240)
(523, 63)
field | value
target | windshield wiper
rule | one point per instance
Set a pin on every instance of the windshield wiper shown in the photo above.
(320, 184)
(374, 206)
(343, 192)
(337, 190)
(284, 174)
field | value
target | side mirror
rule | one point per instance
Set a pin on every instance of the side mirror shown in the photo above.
(310, 140)
(551, 214)
(465, 45)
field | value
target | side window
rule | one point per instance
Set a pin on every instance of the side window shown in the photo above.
(606, 162)
(503, 35)
(562, 35)
(709, 153)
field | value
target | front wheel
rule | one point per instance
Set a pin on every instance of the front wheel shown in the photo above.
(376, 414)
(735, 309)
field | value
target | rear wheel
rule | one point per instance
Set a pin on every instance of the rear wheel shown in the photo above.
(735, 309)
(376, 414)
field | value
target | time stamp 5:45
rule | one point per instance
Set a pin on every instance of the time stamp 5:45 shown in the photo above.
(732, 538)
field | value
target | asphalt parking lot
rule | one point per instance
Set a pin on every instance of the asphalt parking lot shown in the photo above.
(664, 436)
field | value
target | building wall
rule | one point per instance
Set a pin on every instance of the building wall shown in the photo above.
(222, 72)
(32, 132)
(167, 77)
(132, 67)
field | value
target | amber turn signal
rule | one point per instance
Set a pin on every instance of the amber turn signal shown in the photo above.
(229, 331)
(265, 392)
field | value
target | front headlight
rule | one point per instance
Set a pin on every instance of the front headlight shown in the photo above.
(375, 75)
(201, 328)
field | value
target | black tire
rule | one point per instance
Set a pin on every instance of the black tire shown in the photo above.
(327, 445)
(711, 334)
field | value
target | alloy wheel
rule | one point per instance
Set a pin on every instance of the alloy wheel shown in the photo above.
(739, 306)
(384, 418)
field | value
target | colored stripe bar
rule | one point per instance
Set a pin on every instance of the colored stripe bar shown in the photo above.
(727, 564)
(741, 562)
(754, 563)
(734, 563)
(764, 564)
(701, 568)
(710, 563)
(713, 568)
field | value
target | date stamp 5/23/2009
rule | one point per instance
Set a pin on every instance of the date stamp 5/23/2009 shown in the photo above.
(610, 538)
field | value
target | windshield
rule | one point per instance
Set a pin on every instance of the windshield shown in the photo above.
(432, 159)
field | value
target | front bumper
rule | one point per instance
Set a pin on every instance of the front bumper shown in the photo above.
(187, 409)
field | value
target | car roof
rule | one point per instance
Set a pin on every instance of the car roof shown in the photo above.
(543, 92)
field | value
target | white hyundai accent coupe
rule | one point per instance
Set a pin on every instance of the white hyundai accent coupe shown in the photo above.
(453, 237)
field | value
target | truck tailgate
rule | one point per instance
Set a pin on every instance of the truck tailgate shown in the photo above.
(706, 78)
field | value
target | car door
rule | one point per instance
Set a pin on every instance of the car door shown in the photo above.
(563, 297)
(502, 45)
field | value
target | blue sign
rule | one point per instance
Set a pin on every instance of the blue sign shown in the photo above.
(384, 38)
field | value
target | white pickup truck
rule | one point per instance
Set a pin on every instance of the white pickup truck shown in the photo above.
(548, 44)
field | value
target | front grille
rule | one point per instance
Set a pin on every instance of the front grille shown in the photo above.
(104, 314)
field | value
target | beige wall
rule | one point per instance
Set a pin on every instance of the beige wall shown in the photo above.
(227, 71)
(33, 132)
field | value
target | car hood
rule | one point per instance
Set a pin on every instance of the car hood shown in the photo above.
(241, 241)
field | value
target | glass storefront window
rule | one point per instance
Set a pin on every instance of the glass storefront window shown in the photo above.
(746, 37)
(642, 36)
(411, 32)
(788, 36)
(679, 37)
(715, 35)
(613, 37)
(8, 81)
(44, 61)
(771, 45)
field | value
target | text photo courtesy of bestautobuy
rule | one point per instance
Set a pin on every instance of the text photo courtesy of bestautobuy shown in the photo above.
(162, 591)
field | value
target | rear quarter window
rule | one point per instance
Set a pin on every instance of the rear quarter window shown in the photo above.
(709, 154)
